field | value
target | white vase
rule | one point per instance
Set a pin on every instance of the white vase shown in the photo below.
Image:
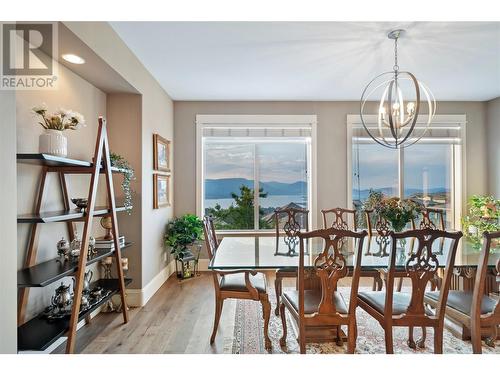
(53, 142)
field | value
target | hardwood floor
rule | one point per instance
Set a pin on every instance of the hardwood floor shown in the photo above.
(177, 319)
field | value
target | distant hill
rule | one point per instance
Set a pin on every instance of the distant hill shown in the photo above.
(389, 192)
(223, 187)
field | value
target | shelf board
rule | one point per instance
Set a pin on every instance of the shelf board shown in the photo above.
(62, 215)
(58, 162)
(39, 333)
(46, 273)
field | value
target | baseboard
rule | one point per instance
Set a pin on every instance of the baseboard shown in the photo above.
(203, 264)
(139, 297)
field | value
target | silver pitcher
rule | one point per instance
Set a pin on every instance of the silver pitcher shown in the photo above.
(86, 282)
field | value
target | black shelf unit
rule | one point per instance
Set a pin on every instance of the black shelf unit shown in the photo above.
(58, 162)
(39, 333)
(45, 273)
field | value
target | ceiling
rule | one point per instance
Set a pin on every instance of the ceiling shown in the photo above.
(313, 60)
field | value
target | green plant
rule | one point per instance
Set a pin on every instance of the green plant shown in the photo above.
(128, 175)
(396, 211)
(182, 232)
(484, 215)
(63, 119)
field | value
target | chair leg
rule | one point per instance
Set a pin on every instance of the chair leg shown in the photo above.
(400, 284)
(421, 341)
(278, 284)
(283, 323)
(476, 338)
(438, 340)
(389, 349)
(411, 341)
(302, 342)
(219, 302)
(266, 309)
(352, 335)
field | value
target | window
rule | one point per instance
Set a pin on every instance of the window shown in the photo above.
(429, 172)
(250, 165)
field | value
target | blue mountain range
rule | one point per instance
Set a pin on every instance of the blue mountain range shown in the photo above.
(223, 187)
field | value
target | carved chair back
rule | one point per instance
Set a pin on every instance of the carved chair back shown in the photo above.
(296, 220)
(330, 266)
(375, 224)
(432, 218)
(421, 267)
(340, 218)
(210, 237)
(490, 240)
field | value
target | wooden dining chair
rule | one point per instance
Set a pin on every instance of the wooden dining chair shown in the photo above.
(477, 311)
(240, 284)
(392, 309)
(295, 221)
(325, 308)
(340, 218)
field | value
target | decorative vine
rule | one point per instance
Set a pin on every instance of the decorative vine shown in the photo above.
(127, 171)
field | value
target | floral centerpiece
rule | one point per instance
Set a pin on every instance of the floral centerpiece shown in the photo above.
(398, 212)
(484, 215)
(52, 141)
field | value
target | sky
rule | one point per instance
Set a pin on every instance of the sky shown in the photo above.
(282, 162)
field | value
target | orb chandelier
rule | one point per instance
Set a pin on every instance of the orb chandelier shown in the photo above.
(401, 101)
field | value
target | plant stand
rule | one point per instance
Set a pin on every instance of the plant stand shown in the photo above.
(187, 267)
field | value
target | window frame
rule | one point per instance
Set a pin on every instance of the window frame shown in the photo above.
(459, 164)
(256, 121)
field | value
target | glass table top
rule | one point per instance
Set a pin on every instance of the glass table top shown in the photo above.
(267, 253)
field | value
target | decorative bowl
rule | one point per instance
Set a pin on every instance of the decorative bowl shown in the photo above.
(81, 203)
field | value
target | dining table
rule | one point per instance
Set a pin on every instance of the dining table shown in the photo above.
(264, 252)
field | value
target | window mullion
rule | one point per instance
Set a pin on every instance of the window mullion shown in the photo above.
(256, 187)
(401, 172)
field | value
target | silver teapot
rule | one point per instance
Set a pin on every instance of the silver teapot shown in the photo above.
(63, 298)
(87, 278)
(85, 303)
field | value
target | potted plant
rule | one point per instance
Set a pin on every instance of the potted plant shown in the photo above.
(181, 233)
(484, 215)
(52, 141)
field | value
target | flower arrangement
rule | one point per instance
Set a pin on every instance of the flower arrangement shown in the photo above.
(398, 212)
(62, 119)
(484, 215)
(126, 169)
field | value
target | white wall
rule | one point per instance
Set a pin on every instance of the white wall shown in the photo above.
(8, 226)
(493, 150)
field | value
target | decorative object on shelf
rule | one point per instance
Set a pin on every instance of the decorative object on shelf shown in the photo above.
(63, 247)
(182, 232)
(92, 249)
(161, 190)
(80, 203)
(106, 264)
(102, 243)
(107, 224)
(398, 212)
(62, 299)
(483, 216)
(86, 281)
(119, 307)
(52, 141)
(127, 171)
(161, 153)
(397, 125)
(75, 246)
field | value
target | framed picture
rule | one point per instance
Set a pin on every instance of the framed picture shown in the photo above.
(161, 190)
(161, 153)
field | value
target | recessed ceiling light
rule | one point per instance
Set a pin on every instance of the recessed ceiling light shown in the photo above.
(74, 59)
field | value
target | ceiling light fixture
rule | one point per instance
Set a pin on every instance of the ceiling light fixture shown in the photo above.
(396, 125)
(74, 59)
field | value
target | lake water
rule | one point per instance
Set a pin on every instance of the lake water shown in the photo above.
(270, 201)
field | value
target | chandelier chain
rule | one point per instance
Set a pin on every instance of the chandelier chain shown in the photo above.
(396, 66)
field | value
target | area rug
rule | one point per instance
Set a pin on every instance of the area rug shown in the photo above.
(249, 335)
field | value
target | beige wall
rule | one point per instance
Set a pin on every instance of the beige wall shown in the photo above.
(157, 116)
(493, 153)
(8, 226)
(331, 145)
(74, 93)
